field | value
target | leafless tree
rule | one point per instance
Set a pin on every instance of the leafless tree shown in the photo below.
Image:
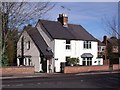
(112, 29)
(111, 26)
(15, 15)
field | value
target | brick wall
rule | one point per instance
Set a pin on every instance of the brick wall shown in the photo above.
(16, 70)
(106, 62)
(78, 69)
(116, 67)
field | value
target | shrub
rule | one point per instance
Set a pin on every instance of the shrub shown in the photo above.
(72, 61)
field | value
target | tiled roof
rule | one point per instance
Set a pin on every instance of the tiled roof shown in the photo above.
(39, 41)
(113, 41)
(73, 32)
(100, 43)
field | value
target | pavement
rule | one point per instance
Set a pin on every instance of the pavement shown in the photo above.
(45, 75)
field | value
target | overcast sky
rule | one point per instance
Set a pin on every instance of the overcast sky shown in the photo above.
(87, 14)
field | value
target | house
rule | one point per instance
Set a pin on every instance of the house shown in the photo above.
(49, 44)
(102, 52)
(101, 49)
(32, 50)
(112, 47)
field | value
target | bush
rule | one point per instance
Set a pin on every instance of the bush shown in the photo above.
(72, 61)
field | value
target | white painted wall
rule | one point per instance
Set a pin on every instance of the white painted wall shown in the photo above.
(76, 50)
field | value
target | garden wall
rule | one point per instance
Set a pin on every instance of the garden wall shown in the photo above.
(14, 70)
(78, 69)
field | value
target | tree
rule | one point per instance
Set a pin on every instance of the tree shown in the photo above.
(111, 27)
(15, 15)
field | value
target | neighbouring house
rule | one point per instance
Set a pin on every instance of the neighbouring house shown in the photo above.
(101, 49)
(49, 44)
(112, 47)
(33, 51)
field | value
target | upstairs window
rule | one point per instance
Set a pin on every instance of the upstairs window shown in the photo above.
(67, 41)
(28, 45)
(68, 44)
(87, 45)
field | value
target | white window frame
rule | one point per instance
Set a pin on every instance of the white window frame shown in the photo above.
(68, 45)
(86, 60)
(87, 45)
(28, 45)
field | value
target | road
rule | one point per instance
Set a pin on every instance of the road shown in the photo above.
(110, 80)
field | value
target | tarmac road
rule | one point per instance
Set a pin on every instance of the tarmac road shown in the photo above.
(108, 80)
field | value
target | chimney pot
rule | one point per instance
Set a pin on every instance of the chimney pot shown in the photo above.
(63, 19)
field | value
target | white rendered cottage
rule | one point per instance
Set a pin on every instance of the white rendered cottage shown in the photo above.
(61, 40)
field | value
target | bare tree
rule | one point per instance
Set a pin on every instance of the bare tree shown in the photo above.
(15, 15)
(111, 26)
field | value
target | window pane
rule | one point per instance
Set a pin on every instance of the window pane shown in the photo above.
(68, 47)
(90, 45)
(28, 45)
(90, 63)
(87, 44)
(84, 63)
(67, 41)
(83, 58)
(84, 45)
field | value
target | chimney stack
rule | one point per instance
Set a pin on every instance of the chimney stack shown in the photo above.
(104, 39)
(63, 19)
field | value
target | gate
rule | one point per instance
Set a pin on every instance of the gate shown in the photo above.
(62, 65)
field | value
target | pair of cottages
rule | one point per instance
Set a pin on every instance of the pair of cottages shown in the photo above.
(50, 43)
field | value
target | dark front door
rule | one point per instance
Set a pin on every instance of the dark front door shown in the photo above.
(21, 61)
(44, 65)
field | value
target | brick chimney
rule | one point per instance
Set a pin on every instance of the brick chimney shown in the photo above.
(63, 18)
(104, 39)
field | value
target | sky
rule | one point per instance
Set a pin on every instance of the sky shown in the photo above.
(88, 14)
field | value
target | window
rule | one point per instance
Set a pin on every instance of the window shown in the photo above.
(68, 44)
(87, 61)
(84, 62)
(67, 41)
(99, 48)
(87, 44)
(28, 45)
(56, 58)
(68, 47)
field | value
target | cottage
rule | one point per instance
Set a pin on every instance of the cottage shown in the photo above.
(51, 43)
